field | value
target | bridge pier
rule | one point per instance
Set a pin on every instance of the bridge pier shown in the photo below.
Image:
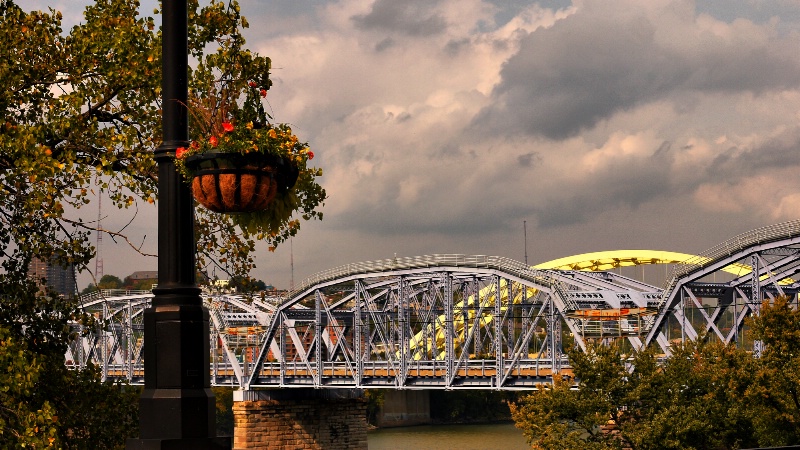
(402, 408)
(300, 419)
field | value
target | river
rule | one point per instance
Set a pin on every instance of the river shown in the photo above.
(502, 436)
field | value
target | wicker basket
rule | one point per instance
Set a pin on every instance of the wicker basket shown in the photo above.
(236, 183)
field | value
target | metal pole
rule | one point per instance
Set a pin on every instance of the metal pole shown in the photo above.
(177, 408)
(525, 232)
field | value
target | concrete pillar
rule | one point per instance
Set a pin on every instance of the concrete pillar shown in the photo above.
(405, 408)
(300, 419)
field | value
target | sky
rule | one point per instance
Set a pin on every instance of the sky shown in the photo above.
(451, 126)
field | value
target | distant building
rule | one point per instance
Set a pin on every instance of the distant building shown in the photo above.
(142, 279)
(59, 278)
(144, 275)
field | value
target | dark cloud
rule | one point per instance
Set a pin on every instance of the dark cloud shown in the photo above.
(624, 182)
(663, 149)
(505, 10)
(773, 155)
(622, 190)
(528, 159)
(451, 198)
(410, 17)
(454, 47)
(593, 64)
(384, 44)
(730, 10)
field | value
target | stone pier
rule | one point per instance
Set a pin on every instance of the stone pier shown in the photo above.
(300, 419)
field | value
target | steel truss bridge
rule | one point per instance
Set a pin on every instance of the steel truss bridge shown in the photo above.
(460, 322)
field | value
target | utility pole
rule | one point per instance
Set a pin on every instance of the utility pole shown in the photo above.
(525, 231)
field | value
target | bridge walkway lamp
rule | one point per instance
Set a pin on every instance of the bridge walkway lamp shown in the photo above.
(177, 407)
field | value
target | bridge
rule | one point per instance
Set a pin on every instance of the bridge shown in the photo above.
(461, 322)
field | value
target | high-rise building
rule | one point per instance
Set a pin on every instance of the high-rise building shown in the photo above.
(59, 278)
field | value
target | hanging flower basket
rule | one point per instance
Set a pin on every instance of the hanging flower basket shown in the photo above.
(243, 164)
(236, 183)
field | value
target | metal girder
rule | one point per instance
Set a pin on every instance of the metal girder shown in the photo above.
(453, 321)
(766, 259)
(444, 321)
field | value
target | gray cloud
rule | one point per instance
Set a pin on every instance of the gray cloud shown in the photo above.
(682, 128)
(528, 159)
(773, 155)
(384, 44)
(622, 183)
(410, 17)
(593, 64)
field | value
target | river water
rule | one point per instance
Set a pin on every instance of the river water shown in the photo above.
(503, 436)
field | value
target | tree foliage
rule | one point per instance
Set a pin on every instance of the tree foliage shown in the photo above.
(706, 395)
(775, 386)
(106, 282)
(81, 108)
(41, 401)
(21, 423)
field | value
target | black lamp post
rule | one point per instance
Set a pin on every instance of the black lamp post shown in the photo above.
(177, 408)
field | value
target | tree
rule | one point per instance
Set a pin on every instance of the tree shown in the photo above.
(22, 424)
(41, 399)
(246, 284)
(82, 108)
(694, 400)
(106, 282)
(89, 289)
(559, 417)
(774, 393)
(224, 406)
(706, 395)
(110, 282)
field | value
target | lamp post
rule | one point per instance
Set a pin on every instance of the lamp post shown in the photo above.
(177, 408)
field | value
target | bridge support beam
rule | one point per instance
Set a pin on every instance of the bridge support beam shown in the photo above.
(301, 419)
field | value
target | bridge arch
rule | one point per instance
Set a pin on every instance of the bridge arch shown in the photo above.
(455, 321)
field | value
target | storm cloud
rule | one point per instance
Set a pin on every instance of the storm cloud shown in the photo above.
(442, 125)
(411, 17)
(614, 56)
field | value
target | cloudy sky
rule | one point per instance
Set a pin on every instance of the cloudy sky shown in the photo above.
(443, 125)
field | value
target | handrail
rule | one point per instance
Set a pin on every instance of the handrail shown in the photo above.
(420, 262)
(106, 293)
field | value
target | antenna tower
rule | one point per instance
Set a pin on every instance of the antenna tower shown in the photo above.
(98, 259)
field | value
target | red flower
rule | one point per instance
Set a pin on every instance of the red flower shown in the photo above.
(213, 141)
(263, 92)
(227, 126)
(310, 155)
(180, 152)
(195, 145)
(253, 84)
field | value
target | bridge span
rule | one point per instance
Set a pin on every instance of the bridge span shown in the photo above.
(461, 322)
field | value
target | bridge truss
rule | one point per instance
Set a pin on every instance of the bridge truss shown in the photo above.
(454, 321)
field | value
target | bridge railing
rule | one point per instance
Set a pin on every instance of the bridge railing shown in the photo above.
(107, 293)
(734, 245)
